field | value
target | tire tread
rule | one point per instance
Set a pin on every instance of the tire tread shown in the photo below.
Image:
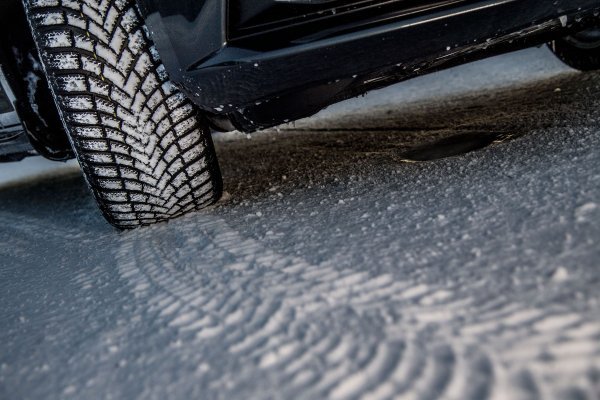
(144, 147)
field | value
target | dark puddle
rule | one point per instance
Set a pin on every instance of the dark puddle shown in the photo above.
(455, 145)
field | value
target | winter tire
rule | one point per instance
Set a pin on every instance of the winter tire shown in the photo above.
(145, 149)
(580, 51)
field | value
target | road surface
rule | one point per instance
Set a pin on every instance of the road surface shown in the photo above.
(437, 239)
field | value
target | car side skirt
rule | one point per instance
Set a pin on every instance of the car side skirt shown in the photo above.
(248, 86)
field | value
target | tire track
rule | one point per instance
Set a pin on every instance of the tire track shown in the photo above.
(321, 331)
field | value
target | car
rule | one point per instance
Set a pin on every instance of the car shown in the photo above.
(134, 88)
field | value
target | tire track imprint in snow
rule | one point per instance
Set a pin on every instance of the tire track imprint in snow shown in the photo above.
(249, 313)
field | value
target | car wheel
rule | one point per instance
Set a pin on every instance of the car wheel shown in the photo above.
(580, 51)
(144, 148)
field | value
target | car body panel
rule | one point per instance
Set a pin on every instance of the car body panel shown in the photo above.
(252, 85)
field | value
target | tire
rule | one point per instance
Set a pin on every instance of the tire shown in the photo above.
(580, 51)
(144, 148)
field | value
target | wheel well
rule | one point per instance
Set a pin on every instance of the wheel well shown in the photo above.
(34, 102)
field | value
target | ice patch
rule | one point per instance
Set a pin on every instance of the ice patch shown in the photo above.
(584, 212)
(561, 274)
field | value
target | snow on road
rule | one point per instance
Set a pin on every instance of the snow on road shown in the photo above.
(34, 168)
(334, 268)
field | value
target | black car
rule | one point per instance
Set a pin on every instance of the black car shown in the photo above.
(133, 88)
